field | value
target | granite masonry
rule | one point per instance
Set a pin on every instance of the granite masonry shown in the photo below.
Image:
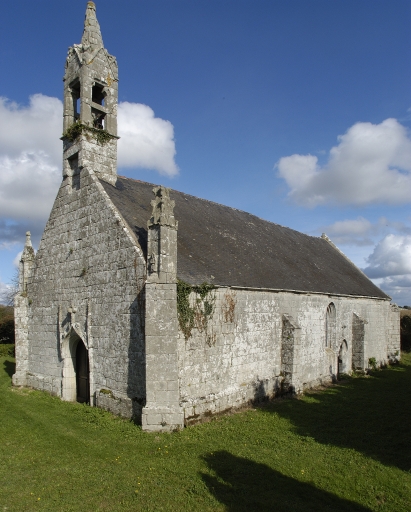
(167, 308)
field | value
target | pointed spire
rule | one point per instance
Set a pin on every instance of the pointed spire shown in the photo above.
(91, 35)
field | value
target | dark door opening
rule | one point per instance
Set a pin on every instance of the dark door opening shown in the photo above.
(82, 374)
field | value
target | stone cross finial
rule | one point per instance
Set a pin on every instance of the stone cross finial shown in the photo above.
(26, 263)
(163, 208)
(92, 38)
(28, 239)
(28, 251)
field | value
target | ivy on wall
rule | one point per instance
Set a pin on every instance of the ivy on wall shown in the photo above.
(77, 128)
(197, 313)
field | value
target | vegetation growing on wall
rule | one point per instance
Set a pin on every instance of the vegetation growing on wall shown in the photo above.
(372, 363)
(198, 312)
(229, 305)
(76, 129)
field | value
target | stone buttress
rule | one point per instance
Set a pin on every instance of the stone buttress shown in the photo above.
(162, 411)
(21, 313)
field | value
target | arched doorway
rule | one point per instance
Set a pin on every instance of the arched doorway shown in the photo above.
(342, 358)
(82, 373)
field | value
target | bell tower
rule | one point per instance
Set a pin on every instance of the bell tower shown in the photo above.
(90, 107)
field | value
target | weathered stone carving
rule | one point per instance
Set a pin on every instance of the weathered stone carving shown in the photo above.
(26, 264)
(152, 263)
(162, 239)
(163, 209)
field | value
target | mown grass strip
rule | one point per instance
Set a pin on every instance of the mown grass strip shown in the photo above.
(345, 448)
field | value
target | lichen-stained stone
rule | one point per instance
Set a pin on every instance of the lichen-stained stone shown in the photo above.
(268, 310)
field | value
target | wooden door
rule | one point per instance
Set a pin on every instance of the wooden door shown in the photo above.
(82, 374)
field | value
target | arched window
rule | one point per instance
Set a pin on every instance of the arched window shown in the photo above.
(330, 326)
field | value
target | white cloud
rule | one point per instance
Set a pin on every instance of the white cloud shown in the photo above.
(397, 282)
(31, 157)
(351, 232)
(145, 140)
(358, 226)
(391, 257)
(28, 185)
(34, 128)
(362, 232)
(371, 164)
(17, 259)
(389, 264)
(399, 288)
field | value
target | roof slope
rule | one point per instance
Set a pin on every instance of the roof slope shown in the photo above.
(225, 246)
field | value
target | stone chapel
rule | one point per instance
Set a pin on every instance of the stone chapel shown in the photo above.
(165, 308)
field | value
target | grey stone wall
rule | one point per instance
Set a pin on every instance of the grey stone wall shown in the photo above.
(358, 339)
(250, 356)
(394, 336)
(21, 310)
(88, 283)
(85, 151)
(290, 354)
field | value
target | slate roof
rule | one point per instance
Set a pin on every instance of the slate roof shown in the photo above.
(224, 246)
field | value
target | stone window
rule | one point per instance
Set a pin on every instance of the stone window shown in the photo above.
(97, 94)
(75, 93)
(75, 172)
(330, 326)
(99, 119)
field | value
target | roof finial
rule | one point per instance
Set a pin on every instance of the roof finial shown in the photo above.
(28, 239)
(28, 251)
(91, 34)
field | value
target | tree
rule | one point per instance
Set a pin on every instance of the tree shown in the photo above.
(6, 324)
(8, 294)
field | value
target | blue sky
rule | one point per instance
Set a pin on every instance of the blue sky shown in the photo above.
(250, 95)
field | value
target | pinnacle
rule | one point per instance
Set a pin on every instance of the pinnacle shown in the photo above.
(28, 251)
(91, 35)
(28, 239)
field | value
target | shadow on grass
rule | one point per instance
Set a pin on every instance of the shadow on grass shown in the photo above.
(243, 485)
(10, 368)
(370, 414)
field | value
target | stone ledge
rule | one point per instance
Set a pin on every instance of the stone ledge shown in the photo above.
(162, 419)
(19, 379)
(120, 406)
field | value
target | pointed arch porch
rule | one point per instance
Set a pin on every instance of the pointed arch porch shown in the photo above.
(70, 352)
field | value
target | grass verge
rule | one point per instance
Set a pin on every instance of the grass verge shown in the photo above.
(345, 448)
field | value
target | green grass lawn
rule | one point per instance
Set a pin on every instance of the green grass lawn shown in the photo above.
(346, 448)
